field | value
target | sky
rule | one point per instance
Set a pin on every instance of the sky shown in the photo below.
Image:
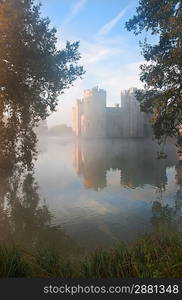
(110, 55)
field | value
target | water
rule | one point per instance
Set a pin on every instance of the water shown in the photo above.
(89, 194)
(99, 192)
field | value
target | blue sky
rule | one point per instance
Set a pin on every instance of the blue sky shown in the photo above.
(110, 54)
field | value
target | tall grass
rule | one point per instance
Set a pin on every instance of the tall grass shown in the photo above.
(155, 255)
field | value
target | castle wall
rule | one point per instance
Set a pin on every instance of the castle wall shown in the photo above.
(74, 119)
(92, 119)
(78, 114)
(114, 122)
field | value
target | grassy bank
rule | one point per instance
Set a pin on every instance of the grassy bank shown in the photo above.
(155, 255)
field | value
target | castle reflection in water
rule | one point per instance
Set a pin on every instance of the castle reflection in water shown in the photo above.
(103, 191)
(135, 159)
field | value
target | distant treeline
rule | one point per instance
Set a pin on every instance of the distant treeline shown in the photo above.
(61, 129)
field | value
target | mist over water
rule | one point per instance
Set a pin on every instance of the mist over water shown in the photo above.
(104, 191)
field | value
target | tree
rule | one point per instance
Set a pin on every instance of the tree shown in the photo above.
(61, 130)
(162, 74)
(25, 216)
(33, 72)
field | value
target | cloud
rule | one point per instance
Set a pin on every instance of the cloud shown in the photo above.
(112, 78)
(108, 26)
(97, 55)
(75, 11)
(115, 78)
(109, 62)
(96, 52)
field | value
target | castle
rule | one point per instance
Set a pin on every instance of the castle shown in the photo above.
(92, 118)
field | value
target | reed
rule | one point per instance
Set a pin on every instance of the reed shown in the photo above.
(154, 256)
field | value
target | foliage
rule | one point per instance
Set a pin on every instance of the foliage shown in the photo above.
(155, 255)
(25, 216)
(163, 71)
(13, 263)
(33, 73)
(61, 129)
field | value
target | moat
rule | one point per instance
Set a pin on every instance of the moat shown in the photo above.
(87, 194)
(103, 191)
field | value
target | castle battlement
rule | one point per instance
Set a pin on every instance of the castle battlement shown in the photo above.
(92, 118)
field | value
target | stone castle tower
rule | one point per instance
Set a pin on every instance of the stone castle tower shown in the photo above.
(91, 117)
(133, 118)
(94, 113)
(89, 114)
